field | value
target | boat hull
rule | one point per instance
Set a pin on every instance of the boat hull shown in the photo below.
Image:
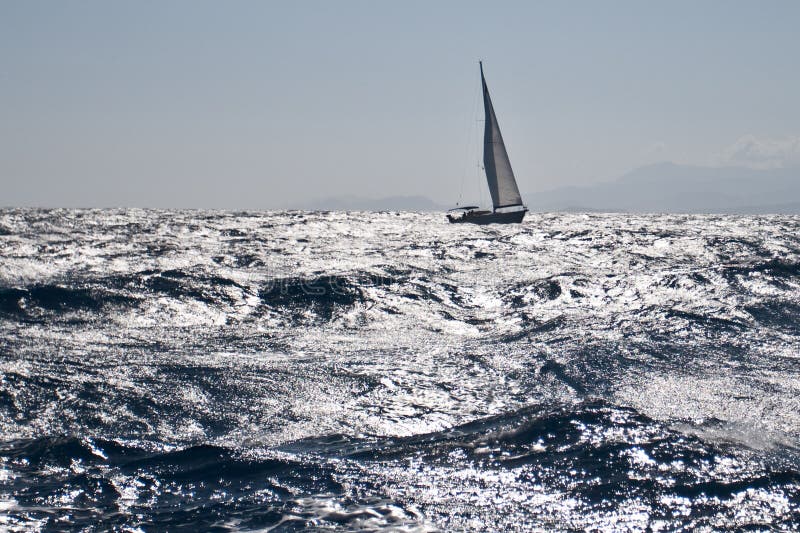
(513, 217)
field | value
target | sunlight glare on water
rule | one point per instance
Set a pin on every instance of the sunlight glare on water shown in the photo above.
(192, 369)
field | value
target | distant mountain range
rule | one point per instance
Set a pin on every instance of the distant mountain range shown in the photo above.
(390, 203)
(671, 188)
(660, 188)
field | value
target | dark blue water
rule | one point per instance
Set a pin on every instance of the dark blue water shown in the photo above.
(188, 371)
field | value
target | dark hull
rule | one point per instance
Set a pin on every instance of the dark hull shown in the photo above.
(513, 217)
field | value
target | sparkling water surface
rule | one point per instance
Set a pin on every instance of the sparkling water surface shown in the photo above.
(221, 371)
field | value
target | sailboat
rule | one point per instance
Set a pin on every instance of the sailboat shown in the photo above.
(507, 205)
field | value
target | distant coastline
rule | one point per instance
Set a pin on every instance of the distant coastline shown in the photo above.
(659, 188)
(389, 203)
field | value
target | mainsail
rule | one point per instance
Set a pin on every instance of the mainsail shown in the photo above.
(502, 184)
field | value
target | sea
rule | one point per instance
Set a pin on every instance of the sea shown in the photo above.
(352, 371)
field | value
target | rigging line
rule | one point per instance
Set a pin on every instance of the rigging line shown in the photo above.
(468, 135)
(480, 180)
(480, 177)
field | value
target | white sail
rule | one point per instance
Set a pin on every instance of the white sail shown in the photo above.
(502, 184)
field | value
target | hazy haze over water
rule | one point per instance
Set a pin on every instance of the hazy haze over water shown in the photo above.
(266, 104)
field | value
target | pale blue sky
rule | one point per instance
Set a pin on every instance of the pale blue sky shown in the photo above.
(267, 104)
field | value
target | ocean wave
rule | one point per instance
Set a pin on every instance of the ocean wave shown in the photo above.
(591, 453)
(41, 302)
(201, 370)
(107, 484)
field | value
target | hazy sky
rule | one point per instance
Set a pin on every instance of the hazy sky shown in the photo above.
(269, 104)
